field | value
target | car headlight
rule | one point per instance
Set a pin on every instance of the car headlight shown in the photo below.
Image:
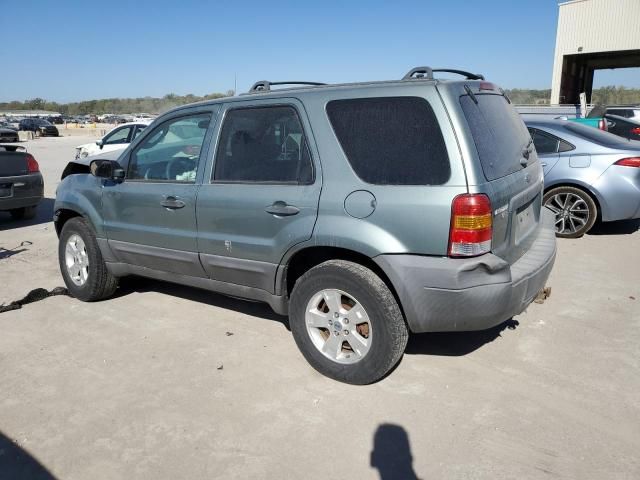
(84, 154)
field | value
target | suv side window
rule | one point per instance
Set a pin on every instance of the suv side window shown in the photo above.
(263, 144)
(391, 140)
(171, 152)
(118, 136)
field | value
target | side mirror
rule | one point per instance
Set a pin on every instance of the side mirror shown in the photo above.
(100, 144)
(109, 169)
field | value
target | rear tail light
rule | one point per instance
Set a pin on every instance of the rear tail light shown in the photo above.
(635, 131)
(471, 225)
(32, 164)
(629, 162)
(602, 124)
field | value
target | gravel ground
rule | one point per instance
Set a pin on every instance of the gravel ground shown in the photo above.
(166, 382)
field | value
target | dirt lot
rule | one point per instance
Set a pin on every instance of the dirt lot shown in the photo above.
(171, 382)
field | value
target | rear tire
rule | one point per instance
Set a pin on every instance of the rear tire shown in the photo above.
(575, 211)
(81, 264)
(347, 323)
(24, 213)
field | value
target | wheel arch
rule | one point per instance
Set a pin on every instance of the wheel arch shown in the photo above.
(63, 215)
(306, 258)
(583, 187)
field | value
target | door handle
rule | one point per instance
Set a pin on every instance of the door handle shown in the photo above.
(281, 209)
(172, 203)
(544, 164)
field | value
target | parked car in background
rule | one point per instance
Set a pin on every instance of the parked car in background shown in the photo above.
(588, 174)
(626, 111)
(623, 127)
(39, 126)
(21, 183)
(8, 133)
(118, 138)
(56, 120)
(362, 211)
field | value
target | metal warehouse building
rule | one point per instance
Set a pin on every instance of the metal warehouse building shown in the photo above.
(593, 35)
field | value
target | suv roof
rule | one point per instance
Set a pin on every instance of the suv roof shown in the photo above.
(422, 74)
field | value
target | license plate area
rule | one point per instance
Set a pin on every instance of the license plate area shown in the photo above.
(525, 221)
(6, 190)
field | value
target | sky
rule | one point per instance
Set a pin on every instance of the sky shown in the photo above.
(84, 49)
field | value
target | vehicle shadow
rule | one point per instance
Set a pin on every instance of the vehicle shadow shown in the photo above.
(18, 464)
(455, 344)
(44, 214)
(133, 284)
(621, 227)
(391, 454)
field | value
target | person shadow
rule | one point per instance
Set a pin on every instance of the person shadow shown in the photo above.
(18, 464)
(391, 454)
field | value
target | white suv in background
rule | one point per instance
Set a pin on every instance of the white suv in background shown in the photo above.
(630, 112)
(117, 139)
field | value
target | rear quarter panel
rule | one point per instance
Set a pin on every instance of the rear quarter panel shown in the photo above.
(406, 219)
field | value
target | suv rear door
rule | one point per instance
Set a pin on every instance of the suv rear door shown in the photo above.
(260, 197)
(504, 166)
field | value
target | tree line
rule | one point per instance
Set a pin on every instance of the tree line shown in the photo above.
(112, 105)
(605, 95)
(610, 95)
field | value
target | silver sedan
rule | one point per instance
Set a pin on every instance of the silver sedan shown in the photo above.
(589, 174)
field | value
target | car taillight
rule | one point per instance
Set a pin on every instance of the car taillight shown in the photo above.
(32, 164)
(629, 162)
(471, 225)
(635, 131)
(602, 124)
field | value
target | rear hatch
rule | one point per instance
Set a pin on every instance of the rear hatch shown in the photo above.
(505, 167)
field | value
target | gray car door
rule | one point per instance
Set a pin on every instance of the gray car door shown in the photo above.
(150, 218)
(261, 195)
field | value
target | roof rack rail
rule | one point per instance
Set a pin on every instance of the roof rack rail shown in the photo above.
(265, 85)
(427, 72)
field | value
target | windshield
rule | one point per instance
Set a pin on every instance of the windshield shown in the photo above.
(42, 123)
(593, 134)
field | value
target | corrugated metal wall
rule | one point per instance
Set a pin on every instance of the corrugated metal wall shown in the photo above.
(596, 26)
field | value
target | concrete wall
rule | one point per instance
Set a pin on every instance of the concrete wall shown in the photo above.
(590, 27)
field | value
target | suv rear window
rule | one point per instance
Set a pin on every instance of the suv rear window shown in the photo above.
(498, 132)
(391, 140)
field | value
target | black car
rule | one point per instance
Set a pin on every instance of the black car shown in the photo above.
(623, 127)
(40, 126)
(21, 183)
(56, 120)
(8, 134)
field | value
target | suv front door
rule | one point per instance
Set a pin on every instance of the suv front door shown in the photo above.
(262, 197)
(150, 218)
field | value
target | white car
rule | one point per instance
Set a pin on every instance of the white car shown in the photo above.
(117, 139)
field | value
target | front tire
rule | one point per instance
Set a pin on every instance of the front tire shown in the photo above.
(81, 264)
(347, 323)
(575, 211)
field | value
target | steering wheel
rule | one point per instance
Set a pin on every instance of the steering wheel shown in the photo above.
(185, 163)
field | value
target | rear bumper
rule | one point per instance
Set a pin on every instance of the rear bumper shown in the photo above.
(11, 203)
(444, 294)
(619, 193)
(26, 191)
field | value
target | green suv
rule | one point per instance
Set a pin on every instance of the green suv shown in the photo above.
(362, 211)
